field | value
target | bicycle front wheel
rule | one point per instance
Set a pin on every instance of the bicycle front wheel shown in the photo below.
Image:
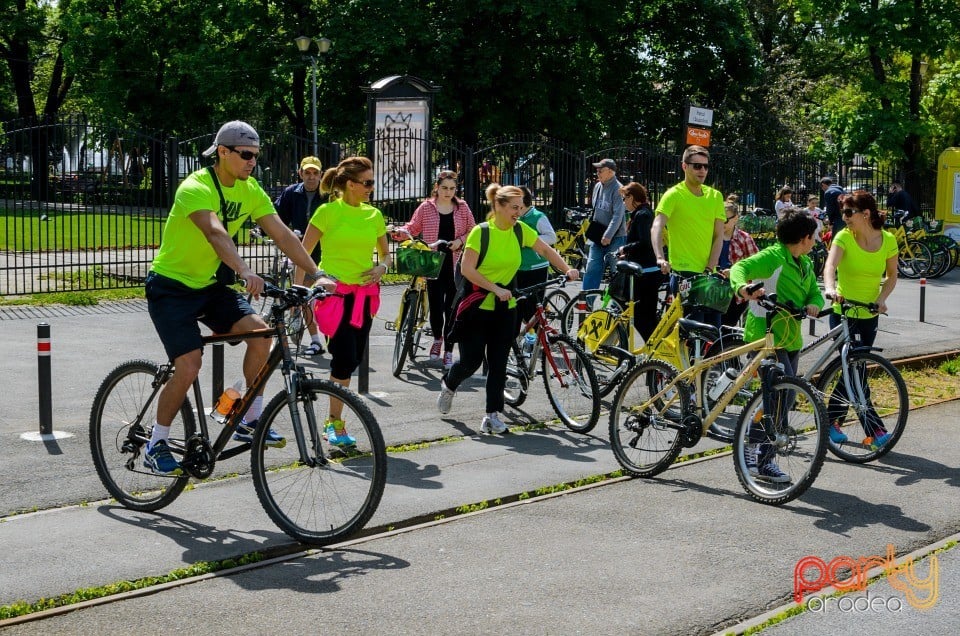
(404, 338)
(778, 455)
(646, 435)
(318, 493)
(571, 384)
(121, 422)
(880, 406)
(553, 305)
(515, 388)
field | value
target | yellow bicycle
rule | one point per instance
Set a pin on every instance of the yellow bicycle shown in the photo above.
(572, 245)
(781, 435)
(420, 261)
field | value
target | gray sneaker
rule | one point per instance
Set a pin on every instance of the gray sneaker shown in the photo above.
(493, 424)
(445, 399)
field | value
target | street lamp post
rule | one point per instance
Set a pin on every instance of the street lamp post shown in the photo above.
(303, 45)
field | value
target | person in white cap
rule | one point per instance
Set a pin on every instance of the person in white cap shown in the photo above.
(197, 260)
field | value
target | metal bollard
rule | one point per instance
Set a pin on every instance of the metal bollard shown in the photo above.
(923, 298)
(43, 378)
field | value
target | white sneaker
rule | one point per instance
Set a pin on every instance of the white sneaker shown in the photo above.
(445, 399)
(493, 424)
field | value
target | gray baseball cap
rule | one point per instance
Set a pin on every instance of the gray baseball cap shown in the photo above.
(234, 133)
(606, 163)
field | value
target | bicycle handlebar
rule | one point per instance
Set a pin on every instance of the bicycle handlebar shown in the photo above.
(399, 230)
(526, 291)
(846, 303)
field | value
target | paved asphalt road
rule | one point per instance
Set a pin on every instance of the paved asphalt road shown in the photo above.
(660, 556)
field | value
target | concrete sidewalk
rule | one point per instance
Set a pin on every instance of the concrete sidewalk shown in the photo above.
(685, 553)
(589, 562)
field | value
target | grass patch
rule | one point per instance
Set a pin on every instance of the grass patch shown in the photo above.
(22, 608)
(950, 367)
(77, 230)
(97, 287)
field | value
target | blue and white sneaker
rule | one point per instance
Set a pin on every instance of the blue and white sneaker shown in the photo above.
(160, 460)
(772, 473)
(245, 432)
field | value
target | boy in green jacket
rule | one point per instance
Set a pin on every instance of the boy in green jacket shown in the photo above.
(785, 269)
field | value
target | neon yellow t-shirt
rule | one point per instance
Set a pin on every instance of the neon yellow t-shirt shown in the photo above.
(349, 238)
(185, 255)
(860, 273)
(502, 260)
(691, 220)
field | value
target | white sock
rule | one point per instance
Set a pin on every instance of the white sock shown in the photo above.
(159, 433)
(315, 339)
(255, 410)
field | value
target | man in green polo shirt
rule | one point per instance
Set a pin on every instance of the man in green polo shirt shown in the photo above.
(187, 284)
(695, 215)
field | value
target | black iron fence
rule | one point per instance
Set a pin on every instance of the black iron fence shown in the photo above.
(84, 203)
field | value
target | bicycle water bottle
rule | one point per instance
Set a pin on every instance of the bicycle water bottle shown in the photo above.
(529, 339)
(723, 381)
(229, 396)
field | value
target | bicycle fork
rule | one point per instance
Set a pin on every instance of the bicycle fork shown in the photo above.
(312, 455)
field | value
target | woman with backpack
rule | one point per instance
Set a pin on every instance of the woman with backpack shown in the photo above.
(490, 261)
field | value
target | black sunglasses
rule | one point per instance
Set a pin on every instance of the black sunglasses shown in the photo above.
(366, 184)
(699, 166)
(246, 155)
(850, 211)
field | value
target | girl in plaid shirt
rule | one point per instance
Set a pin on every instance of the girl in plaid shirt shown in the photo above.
(737, 244)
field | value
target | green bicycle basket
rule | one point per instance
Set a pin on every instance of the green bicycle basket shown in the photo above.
(414, 262)
(707, 292)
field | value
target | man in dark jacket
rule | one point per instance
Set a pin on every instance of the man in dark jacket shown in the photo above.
(831, 205)
(295, 205)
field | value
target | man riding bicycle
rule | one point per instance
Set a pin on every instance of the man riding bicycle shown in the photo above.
(189, 278)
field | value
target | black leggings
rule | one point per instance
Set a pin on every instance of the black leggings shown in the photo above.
(440, 293)
(490, 334)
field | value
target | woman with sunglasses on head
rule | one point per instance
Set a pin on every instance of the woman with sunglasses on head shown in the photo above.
(737, 244)
(493, 327)
(639, 249)
(349, 229)
(441, 217)
(861, 266)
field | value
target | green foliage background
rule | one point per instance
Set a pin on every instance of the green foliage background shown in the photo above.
(833, 77)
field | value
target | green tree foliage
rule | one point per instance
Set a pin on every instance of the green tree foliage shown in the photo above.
(836, 76)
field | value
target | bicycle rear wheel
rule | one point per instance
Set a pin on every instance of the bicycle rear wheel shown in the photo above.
(794, 437)
(571, 384)
(334, 494)
(121, 421)
(403, 340)
(646, 440)
(885, 408)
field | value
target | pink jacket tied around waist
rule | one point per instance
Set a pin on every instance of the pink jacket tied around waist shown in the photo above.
(329, 311)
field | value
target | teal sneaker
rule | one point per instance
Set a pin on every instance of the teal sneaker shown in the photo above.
(837, 436)
(335, 431)
(160, 460)
(880, 441)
